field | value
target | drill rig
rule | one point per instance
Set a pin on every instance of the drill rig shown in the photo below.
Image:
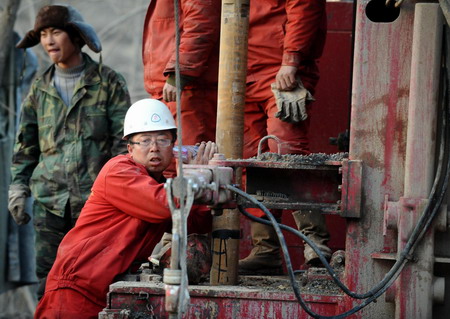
(390, 189)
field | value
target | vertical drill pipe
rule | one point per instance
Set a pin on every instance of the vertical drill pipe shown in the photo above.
(230, 129)
(380, 95)
(423, 100)
(414, 287)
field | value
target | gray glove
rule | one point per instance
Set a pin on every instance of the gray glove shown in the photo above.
(292, 104)
(17, 196)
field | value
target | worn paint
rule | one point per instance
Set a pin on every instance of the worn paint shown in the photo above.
(218, 302)
(377, 137)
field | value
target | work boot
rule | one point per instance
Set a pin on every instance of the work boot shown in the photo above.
(312, 224)
(264, 259)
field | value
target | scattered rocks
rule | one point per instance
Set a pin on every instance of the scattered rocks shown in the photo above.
(314, 281)
(311, 159)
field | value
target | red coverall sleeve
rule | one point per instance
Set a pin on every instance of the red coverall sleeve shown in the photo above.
(200, 32)
(128, 189)
(132, 191)
(199, 220)
(305, 18)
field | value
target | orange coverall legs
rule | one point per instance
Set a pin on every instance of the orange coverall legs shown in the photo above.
(198, 115)
(260, 121)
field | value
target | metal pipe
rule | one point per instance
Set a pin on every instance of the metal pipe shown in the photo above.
(230, 130)
(423, 100)
(414, 295)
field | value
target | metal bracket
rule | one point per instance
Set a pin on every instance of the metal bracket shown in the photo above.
(351, 188)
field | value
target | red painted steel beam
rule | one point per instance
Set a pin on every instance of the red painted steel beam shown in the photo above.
(228, 302)
(380, 96)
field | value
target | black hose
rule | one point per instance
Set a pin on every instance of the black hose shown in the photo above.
(280, 235)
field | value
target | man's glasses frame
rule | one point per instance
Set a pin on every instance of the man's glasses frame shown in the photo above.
(161, 142)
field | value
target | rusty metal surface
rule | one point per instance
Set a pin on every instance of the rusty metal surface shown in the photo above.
(381, 77)
(351, 189)
(230, 302)
(230, 116)
(232, 77)
(295, 188)
(293, 182)
(414, 287)
(315, 161)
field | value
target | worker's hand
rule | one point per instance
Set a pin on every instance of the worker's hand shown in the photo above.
(17, 196)
(169, 92)
(292, 104)
(285, 79)
(205, 152)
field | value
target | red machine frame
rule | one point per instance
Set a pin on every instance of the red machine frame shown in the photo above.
(376, 198)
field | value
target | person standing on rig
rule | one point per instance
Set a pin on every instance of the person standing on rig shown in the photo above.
(199, 62)
(286, 38)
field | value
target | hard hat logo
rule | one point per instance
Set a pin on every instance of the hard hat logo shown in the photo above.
(138, 115)
(156, 118)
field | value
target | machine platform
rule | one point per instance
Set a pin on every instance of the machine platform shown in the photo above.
(254, 297)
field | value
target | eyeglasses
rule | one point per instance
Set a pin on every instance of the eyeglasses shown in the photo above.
(161, 142)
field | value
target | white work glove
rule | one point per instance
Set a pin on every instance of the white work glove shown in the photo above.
(17, 196)
(292, 104)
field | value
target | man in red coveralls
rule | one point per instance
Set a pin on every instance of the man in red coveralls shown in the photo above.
(124, 217)
(199, 61)
(285, 40)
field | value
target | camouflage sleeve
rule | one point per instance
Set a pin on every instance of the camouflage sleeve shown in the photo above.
(26, 149)
(118, 104)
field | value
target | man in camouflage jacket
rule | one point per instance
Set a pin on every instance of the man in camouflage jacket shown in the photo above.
(70, 126)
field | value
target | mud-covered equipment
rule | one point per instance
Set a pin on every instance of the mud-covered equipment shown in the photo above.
(147, 115)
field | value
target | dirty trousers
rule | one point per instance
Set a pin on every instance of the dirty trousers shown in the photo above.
(198, 114)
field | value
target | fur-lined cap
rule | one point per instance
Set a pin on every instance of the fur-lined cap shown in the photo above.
(61, 17)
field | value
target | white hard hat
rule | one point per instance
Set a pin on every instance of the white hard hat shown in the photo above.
(147, 115)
